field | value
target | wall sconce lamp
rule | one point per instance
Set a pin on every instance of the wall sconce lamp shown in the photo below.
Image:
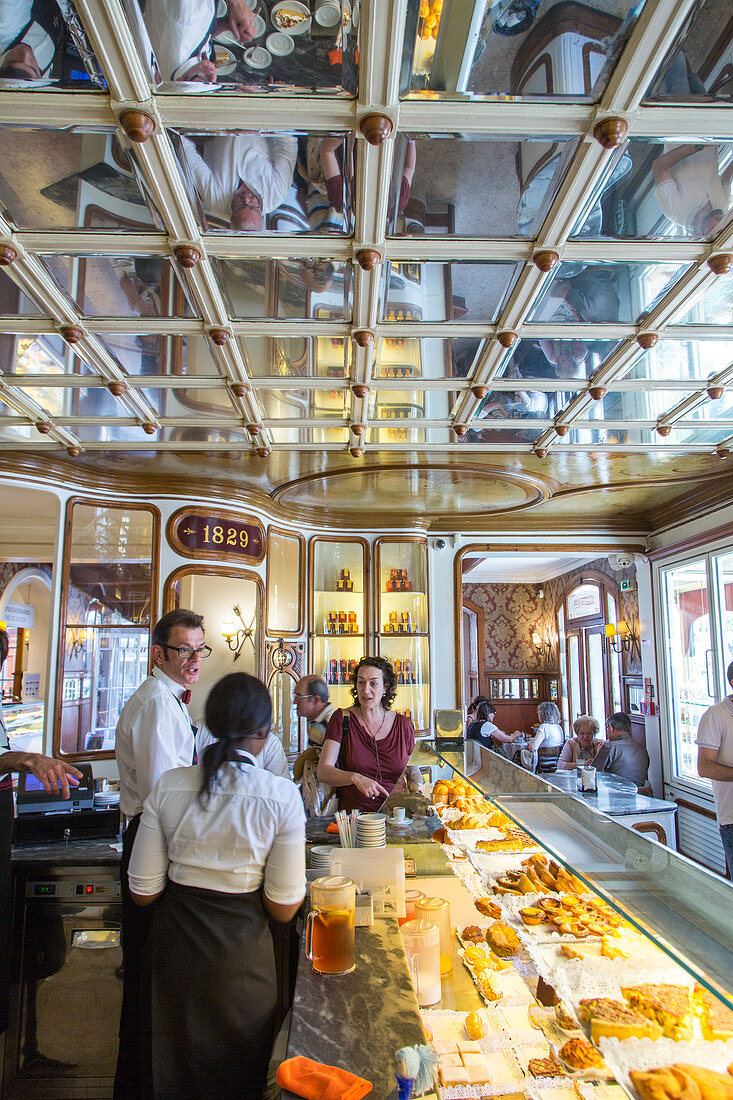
(77, 642)
(543, 648)
(235, 635)
(621, 637)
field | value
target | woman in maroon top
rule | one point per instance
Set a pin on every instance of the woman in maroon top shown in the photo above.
(377, 746)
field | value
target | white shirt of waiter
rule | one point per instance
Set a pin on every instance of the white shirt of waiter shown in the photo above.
(252, 830)
(715, 731)
(177, 29)
(272, 757)
(154, 734)
(265, 164)
(16, 19)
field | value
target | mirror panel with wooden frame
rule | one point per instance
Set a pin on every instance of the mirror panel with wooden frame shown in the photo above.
(110, 583)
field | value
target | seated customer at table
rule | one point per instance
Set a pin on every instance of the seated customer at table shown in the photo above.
(367, 747)
(583, 747)
(549, 735)
(220, 848)
(489, 735)
(621, 754)
(476, 715)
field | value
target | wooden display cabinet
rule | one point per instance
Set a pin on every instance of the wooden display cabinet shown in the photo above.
(338, 624)
(402, 622)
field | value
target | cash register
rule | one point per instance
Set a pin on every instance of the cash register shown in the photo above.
(45, 816)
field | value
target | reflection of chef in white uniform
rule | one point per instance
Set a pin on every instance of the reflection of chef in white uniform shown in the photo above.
(243, 177)
(29, 35)
(180, 34)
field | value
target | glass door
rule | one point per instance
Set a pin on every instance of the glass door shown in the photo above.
(596, 678)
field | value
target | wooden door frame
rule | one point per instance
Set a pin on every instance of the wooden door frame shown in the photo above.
(481, 634)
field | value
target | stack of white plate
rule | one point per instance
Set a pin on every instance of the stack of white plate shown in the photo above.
(371, 831)
(106, 798)
(321, 858)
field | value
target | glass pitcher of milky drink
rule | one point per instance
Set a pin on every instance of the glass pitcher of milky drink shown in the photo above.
(329, 930)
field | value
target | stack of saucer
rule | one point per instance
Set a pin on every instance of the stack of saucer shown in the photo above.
(371, 831)
(321, 858)
(106, 798)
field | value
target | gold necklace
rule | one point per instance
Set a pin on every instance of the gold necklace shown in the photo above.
(376, 745)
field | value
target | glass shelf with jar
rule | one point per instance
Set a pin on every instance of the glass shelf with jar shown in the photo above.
(338, 623)
(403, 626)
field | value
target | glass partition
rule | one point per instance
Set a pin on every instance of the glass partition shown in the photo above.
(108, 599)
(285, 582)
(682, 908)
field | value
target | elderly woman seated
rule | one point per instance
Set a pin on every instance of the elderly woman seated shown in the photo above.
(581, 748)
(549, 735)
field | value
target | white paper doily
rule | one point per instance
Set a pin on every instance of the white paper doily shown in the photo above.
(652, 1053)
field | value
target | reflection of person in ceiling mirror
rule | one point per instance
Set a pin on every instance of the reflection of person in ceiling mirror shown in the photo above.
(242, 177)
(181, 30)
(589, 295)
(690, 188)
(30, 33)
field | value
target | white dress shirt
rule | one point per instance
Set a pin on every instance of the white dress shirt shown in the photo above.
(272, 758)
(153, 735)
(265, 164)
(176, 29)
(252, 829)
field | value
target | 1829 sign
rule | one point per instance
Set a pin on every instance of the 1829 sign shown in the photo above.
(198, 533)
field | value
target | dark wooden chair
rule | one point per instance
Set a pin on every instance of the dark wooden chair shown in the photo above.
(547, 759)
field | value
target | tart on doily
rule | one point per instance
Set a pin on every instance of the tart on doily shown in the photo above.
(615, 1019)
(668, 1005)
(682, 1082)
(579, 1054)
(546, 1067)
(715, 1019)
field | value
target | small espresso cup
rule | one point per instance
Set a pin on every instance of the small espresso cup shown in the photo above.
(398, 814)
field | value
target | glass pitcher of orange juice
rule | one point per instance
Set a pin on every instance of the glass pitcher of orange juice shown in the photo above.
(329, 930)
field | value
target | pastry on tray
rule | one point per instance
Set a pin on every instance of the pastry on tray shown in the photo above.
(487, 907)
(616, 1020)
(474, 1026)
(472, 933)
(546, 1067)
(715, 1019)
(564, 1020)
(668, 1005)
(579, 1054)
(502, 939)
(682, 1082)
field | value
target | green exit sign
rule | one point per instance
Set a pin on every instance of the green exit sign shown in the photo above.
(625, 584)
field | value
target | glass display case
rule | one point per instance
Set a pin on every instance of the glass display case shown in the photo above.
(339, 624)
(683, 909)
(403, 624)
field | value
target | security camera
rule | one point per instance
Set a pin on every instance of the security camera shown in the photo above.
(439, 544)
(622, 561)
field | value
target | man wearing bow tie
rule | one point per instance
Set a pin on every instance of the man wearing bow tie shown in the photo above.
(154, 734)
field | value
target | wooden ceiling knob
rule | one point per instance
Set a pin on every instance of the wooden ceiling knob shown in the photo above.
(721, 264)
(72, 334)
(187, 255)
(368, 258)
(545, 259)
(117, 388)
(376, 128)
(597, 392)
(360, 390)
(263, 452)
(664, 430)
(715, 392)
(43, 426)
(479, 392)
(358, 429)
(610, 132)
(220, 336)
(364, 337)
(721, 451)
(356, 452)
(149, 428)
(254, 429)
(507, 339)
(647, 340)
(541, 452)
(460, 430)
(239, 389)
(562, 429)
(137, 125)
(73, 452)
(7, 254)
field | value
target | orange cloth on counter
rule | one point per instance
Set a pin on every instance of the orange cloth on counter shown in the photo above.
(316, 1081)
(332, 828)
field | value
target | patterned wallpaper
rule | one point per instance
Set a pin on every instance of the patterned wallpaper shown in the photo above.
(514, 611)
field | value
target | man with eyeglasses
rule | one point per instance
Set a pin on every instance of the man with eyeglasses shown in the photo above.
(154, 734)
(312, 703)
(621, 755)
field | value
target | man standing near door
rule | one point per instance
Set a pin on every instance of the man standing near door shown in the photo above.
(154, 734)
(715, 762)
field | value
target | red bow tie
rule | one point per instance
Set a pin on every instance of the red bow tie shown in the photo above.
(186, 696)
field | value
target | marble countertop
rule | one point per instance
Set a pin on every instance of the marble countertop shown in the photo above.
(72, 853)
(358, 1021)
(615, 796)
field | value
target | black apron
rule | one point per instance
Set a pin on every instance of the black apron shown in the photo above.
(6, 836)
(213, 995)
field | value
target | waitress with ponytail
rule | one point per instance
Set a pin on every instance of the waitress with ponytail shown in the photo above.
(221, 846)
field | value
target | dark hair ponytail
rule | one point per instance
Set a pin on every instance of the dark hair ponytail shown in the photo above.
(238, 706)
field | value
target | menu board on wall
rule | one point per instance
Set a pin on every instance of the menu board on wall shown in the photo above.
(223, 536)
